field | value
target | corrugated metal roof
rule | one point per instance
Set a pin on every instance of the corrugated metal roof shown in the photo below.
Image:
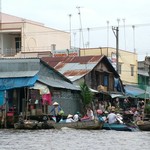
(73, 67)
(16, 74)
(11, 68)
(57, 83)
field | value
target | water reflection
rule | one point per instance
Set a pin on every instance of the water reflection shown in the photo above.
(71, 139)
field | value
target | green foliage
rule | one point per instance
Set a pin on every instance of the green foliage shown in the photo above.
(86, 94)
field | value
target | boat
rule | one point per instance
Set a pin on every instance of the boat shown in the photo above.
(119, 127)
(90, 125)
(144, 125)
(33, 124)
(26, 124)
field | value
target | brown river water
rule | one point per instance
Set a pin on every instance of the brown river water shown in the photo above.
(71, 139)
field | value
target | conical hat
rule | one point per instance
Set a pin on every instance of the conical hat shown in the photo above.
(55, 103)
(70, 116)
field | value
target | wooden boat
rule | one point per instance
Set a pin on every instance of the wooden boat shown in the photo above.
(144, 125)
(26, 124)
(119, 127)
(91, 125)
(33, 124)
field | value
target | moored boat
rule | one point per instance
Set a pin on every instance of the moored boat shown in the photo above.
(144, 125)
(26, 124)
(33, 124)
(91, 125)
(119, 127)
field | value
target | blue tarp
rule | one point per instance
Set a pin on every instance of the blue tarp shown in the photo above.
(134, 91)
(10, 83)
(1, 98)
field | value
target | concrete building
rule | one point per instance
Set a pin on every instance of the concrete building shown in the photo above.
(23, 38)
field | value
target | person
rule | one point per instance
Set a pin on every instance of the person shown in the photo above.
(90, 114)
(101, 106)
(76, 117)
(70, 119)
(100, 115)
(112, 117)
(57, 111)
(136, 116)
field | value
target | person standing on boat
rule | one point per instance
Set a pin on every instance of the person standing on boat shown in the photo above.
(57, 111)
(112, 117)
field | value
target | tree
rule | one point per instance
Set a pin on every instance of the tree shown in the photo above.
(86, 94)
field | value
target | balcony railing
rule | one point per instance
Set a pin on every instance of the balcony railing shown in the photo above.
(10, 52)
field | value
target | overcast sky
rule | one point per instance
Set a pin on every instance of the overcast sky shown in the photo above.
(96, 19)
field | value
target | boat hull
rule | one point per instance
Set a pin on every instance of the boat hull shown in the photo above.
(90, 125)
(144, 125)
(118, 127)
(31, 124)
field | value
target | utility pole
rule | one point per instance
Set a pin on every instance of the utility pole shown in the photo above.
(116, 33)
(0, 29)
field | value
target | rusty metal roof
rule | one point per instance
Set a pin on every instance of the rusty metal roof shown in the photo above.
(73, 67)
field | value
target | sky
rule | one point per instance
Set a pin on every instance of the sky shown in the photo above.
(90, 22)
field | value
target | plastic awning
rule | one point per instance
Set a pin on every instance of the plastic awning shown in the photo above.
(43, 88)
(11, 83)
(133, 90)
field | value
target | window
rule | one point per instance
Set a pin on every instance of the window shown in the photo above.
(18, 44)
(119, 68)
(132, 70)
(53, 47)
(105, 80)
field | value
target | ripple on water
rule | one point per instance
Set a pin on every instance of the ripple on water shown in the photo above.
(71, 139)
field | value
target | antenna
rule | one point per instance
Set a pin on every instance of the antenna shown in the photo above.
(107, 36)
(88, 29)
(81, 31)
(134, 38)
(124, 32)
(70, 28)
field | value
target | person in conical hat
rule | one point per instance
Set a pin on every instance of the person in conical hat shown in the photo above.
(55, 104)
(56, 111)
(69, 118)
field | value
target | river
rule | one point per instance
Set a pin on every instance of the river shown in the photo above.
(71, 139)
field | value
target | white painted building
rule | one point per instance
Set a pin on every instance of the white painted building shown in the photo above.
(25, 38)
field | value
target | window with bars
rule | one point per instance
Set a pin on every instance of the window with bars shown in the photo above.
(132, 70)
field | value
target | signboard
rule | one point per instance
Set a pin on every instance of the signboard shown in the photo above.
(65, 53)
